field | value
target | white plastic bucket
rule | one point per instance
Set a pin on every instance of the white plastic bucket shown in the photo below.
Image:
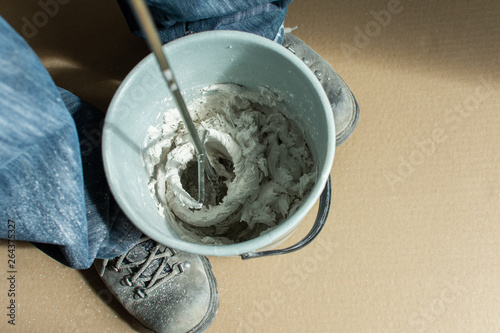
(200, 60)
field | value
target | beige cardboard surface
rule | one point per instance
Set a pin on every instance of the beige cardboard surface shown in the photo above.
(412, 241)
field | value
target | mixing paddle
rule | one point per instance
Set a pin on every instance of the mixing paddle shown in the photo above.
(153, 39)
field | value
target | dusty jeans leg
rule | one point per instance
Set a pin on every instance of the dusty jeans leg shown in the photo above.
(41, 180)
(176, 18)
(110, 232)
(41, 176)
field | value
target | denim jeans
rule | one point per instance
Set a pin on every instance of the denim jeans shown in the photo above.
(52, 182)
(175, 19)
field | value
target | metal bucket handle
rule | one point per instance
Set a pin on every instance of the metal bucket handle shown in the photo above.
(323, 210)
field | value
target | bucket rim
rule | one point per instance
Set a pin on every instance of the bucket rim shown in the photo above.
(285, 228)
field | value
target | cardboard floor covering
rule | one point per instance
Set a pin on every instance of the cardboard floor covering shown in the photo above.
(412, 240)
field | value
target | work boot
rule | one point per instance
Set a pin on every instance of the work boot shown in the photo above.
(344, 105)
(166, 290)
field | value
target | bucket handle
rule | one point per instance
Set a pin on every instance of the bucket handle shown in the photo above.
(324, 208)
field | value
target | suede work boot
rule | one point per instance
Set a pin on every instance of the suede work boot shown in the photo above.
(166, 290)
(344, 105)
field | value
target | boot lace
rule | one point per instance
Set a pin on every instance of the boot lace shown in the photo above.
(147, 283)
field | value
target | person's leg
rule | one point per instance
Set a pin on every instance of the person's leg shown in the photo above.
(177, 18)
(41, 179)
(110, 232)
(53, 187)
(41, 183)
